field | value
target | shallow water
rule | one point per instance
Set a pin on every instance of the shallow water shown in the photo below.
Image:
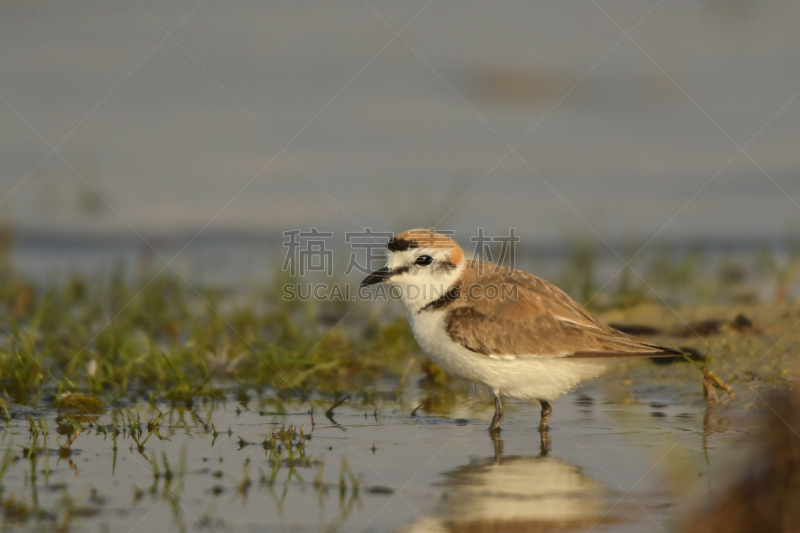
(604, 467)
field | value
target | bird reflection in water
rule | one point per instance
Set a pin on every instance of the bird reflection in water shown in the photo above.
(518, 494)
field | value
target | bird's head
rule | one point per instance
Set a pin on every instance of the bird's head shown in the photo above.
(423, 263)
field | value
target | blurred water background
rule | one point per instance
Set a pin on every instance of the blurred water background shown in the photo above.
(197, 132)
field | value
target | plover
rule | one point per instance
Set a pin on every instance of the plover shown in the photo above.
(515, 334)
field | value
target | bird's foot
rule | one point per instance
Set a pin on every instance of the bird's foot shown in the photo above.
(494, 427)
(547, 410)
(498, 415)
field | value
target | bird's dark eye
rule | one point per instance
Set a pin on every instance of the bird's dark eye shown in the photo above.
(423, 260)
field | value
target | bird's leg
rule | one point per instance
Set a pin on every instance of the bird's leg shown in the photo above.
(546, 412)
(498, 414)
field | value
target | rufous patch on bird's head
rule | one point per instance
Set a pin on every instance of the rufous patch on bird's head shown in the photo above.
(429, 240)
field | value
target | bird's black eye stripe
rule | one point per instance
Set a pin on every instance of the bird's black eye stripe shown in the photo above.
(423, 260)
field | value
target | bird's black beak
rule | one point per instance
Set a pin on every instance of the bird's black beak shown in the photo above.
(378, 276)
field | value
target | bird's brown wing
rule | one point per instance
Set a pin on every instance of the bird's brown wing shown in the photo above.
(530, 317)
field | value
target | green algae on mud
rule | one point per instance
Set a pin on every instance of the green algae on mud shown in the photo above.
(167, 353)
(762, 357)
(167, 341)
(173, 343)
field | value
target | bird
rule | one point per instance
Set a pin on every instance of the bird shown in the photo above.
(502, 329)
